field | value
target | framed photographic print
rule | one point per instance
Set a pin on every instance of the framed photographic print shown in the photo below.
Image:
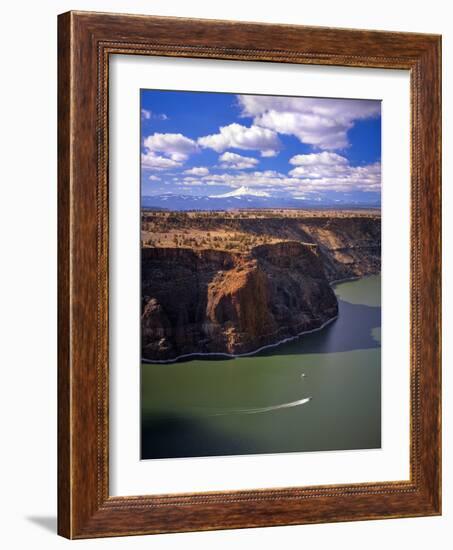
(249, 275)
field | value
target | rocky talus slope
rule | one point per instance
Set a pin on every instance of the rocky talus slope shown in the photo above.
(214, 301)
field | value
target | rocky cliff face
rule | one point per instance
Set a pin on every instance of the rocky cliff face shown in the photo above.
(218, 302)
(348, 247)
(214, 301)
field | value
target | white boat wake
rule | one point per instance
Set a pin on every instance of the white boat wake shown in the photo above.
(259, 410)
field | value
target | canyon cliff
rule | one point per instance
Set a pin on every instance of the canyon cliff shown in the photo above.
(203, 300)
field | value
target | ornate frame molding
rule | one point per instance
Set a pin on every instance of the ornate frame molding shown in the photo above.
(86, 40)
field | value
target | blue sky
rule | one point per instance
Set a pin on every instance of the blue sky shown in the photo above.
(211, 144)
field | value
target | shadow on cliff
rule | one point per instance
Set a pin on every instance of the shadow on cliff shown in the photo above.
(351, 331)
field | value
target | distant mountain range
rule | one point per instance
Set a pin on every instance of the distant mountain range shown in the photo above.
(244, 197)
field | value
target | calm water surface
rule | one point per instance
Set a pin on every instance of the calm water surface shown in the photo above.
(321, 391)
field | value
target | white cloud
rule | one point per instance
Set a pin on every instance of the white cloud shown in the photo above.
(319, 165)
(269, 153)
(233, 161)
(175, 146)
(164, 151)
(313, 174)
(329, 171)
(253, 180)
(190, 181)
(156, 162)
(240, 137)
(153, 178)
(197, 171)
(323, 123)
(324, 158)
(147, 115)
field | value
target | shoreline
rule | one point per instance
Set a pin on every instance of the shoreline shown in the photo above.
(262, 348)
(346, 279)
(235, 355)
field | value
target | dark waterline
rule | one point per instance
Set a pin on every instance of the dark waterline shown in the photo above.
(320, 391)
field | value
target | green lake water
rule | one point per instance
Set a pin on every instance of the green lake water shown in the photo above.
(318, 392)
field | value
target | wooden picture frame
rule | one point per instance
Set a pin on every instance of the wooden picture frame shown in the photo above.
(85, 42)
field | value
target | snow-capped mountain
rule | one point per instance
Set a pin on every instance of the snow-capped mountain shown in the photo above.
(242, 191)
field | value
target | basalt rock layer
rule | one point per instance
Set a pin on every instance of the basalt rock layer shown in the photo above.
(218, 302)
(215, 301)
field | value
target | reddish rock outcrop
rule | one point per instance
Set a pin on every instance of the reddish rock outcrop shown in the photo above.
(210, 301)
